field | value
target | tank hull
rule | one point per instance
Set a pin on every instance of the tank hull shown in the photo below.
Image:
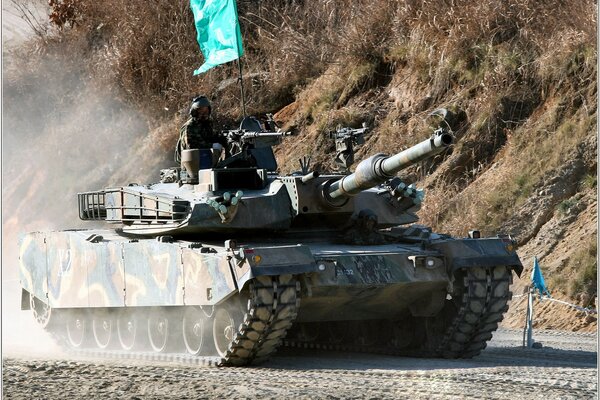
(68, 270)
(95, 277)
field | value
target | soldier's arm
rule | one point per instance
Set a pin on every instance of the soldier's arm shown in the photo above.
(184, 136)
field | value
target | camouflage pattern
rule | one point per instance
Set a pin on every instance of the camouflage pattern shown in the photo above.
(355, 284)
(484, 252)
(345, 282)
(197, 134)
(117, 272)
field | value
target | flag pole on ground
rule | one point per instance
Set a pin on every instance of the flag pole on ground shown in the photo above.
(537, 284)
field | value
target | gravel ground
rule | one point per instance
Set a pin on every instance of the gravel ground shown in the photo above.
(565, 368)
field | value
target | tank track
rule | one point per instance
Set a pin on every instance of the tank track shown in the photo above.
(272, 308)
(467, 321)
(146, 356)
(483, 304)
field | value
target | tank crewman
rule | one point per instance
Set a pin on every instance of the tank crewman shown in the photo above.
(197, 132)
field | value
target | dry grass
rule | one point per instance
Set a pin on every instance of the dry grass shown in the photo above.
(586, 266)
(149, 49)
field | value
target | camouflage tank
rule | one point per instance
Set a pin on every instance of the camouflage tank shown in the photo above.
(231, 260)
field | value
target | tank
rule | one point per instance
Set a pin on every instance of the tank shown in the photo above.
(225, 258)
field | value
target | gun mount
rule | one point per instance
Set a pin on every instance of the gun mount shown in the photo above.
(252, 149)
(345, 140)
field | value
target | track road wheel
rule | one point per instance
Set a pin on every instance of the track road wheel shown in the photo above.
(225, 326)
(130, 331)
(195, 327)
(77, 326)
(365, 333)
(103, 328)
(161, 331)
(404, 333)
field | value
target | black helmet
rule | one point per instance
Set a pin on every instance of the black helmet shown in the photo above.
(200, 101)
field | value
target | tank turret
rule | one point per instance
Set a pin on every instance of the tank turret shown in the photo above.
(243, 193)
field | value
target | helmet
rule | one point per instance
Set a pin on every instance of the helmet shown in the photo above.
(200, 101)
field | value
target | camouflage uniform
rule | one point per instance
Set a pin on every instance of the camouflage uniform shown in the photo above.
(197, 134)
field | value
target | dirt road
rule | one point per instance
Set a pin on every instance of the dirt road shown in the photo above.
(565, 368)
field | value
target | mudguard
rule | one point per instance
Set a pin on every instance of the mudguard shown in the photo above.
(270, 261)
(487, 252)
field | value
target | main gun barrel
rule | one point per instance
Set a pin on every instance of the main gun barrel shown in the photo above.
(379, 168)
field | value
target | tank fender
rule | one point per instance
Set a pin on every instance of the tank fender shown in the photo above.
(252, 262)
(485, 252)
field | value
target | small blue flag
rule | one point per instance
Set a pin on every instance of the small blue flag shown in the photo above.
(218, 31)
(537, 279)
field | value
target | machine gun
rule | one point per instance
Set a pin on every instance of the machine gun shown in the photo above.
(240, 140)
(345, 140)
(250, 145)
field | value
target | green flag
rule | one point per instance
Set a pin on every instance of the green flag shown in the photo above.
(218, 30)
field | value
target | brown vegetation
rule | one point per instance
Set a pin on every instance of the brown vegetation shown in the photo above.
(522, 73)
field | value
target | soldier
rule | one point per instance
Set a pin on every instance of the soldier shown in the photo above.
(197, 132)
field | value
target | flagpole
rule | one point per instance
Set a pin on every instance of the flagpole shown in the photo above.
(241, 79)
(530, 321)
(239, 62)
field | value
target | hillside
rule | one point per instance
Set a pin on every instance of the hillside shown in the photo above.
(96, 97)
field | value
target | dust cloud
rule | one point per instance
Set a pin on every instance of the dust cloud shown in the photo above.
(62, 133)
